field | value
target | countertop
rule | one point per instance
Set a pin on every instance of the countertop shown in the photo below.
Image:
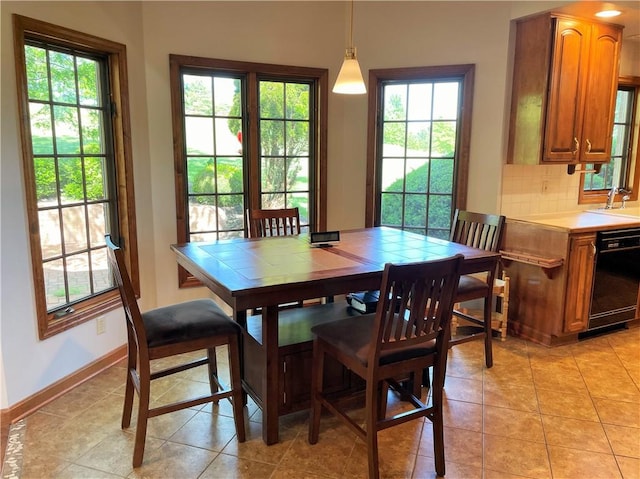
(586, 221)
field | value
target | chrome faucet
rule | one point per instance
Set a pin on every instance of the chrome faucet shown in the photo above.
(625, 198)
(611, 197)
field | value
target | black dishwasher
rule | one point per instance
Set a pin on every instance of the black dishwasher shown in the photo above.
(616, 281)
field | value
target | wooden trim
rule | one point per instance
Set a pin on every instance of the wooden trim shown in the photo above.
(461, 171)
(29, 28)
(34, 402)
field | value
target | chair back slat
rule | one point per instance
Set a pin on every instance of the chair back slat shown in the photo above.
(135, 325)
(280, 222)
(416, 301)
(478, 230)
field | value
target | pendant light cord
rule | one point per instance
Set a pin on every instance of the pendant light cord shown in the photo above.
(351, 27)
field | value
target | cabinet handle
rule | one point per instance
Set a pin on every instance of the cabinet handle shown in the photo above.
(588, 146)
(576, 146)
(593, 249)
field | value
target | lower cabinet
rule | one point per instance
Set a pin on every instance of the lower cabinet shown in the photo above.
(551, 273)
(295, 356)
(580, 269)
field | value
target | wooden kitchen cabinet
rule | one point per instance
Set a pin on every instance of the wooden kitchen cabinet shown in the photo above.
(564, 88)
(580, 269)
(551, 273)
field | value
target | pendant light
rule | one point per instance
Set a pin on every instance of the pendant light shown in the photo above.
(349, 79)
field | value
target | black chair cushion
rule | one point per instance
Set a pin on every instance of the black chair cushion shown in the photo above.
(353, 336)
(186, 321)
(470, 287)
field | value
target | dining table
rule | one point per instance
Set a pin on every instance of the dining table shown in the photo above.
(261, 274)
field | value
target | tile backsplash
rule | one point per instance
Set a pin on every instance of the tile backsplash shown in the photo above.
(539, 189)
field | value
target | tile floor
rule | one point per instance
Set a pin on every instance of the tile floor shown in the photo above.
(565, 412)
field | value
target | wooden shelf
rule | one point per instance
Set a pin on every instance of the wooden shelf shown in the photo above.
(547, 264)
(294, 325)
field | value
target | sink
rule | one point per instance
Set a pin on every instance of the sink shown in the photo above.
(633, 211)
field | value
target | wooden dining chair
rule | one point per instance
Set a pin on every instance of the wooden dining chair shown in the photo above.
(274, 222)
(408, 332)
(482, 231)
(169, 331)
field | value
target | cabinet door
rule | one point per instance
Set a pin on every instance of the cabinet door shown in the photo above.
(580, 269)
(295, 379)
(600, 94)
(564, 105)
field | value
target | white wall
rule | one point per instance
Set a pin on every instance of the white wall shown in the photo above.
(30, 365)
(387, 34)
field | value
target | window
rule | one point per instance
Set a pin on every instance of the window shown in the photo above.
(418, 142)
(77, 159)
(246, 135)
(623, 171)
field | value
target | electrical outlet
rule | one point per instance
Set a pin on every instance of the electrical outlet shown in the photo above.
(545, 186)
(101, 325)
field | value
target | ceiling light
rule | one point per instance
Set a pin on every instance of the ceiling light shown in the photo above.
(349, 79)
(608, 11)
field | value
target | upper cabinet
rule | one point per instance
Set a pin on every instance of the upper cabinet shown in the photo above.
(565, 79)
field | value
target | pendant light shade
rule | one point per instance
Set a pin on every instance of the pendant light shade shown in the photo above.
(349, 79)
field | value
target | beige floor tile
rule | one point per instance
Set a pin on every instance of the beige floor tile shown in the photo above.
(209, 431)
(254, 447)
(500, 455)
(610, 386)
(575, 433)
(334, 442)
(505, 375)
(287, 474)
(232, 467)
(551, 362)
(392, 465)
(569, 463)
(629, 466)
(40, 425)
(561, 379)
(621, 413)
(463, 415)
(174, 460)
(558, 403)
(516, 358)
(68, 441)
(114, 454)
(425, 468)
(462, 446)
(463, 389)
(500, 421)
(585, 397)
(535, 350)
(81, 472)
(625, 441)
(522, 398)
(38, 464)
(489, 474)
(166, 425)
(75, 401)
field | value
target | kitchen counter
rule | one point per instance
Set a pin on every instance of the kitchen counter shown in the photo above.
(586, 221)
(551, 262)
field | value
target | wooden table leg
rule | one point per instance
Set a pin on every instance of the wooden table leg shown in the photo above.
(271, 379)
(241, 319)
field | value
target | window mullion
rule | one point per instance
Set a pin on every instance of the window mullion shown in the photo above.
(253, 157)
